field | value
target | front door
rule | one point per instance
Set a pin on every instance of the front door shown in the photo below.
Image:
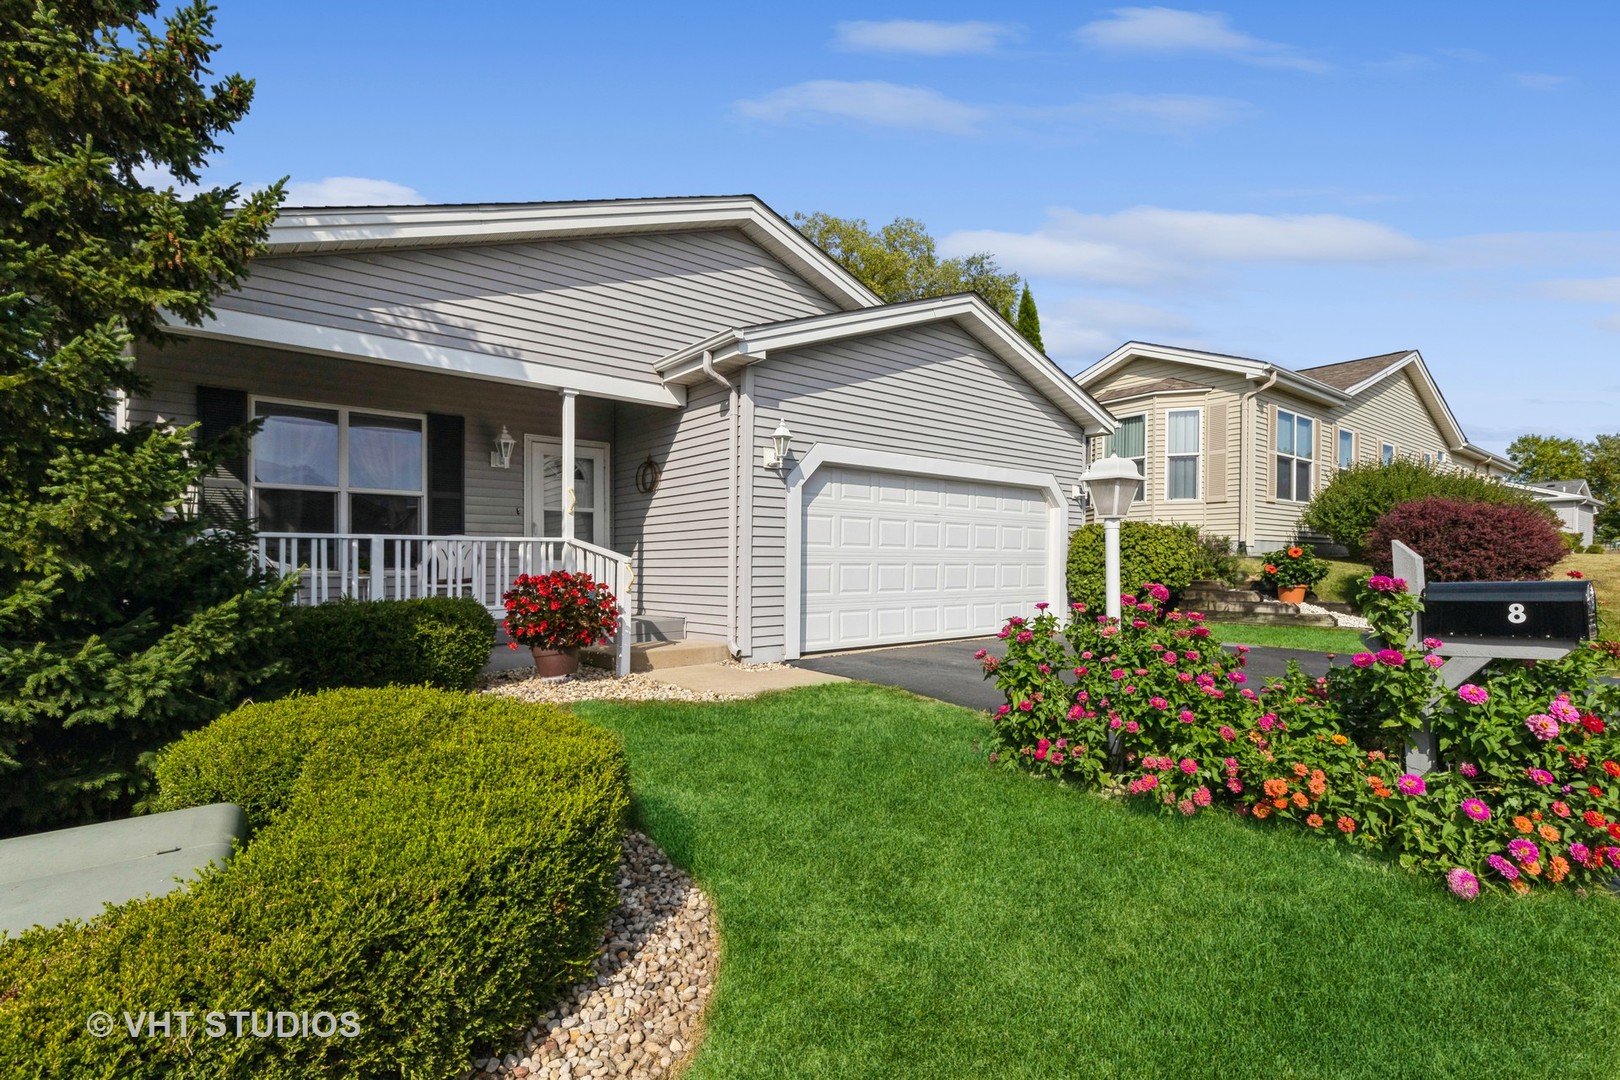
(542, 467)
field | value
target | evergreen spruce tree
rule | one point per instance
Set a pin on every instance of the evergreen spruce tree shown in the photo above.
(122, 623)
(1028, 322)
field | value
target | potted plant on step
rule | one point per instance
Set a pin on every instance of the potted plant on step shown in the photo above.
(556, 615)
(1293, 570)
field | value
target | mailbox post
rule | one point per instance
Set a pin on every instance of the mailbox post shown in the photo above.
(1481, 621)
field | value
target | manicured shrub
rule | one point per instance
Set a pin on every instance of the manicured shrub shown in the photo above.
(1171, 555)
(1594, 549)
(438, 641)
(1572, 541)
(440, 865)
(1219, 560)
(1347, 509)
(1463, 541)
(1154, 711)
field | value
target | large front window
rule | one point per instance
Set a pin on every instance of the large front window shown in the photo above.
(322, 469)
(1181, 463)
(1129, 440)
(1294, 439)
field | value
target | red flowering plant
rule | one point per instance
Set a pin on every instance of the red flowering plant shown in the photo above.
(559, 610)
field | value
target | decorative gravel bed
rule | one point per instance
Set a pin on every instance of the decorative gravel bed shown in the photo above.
(641, 1014)
(1347, 622)
(591, 684)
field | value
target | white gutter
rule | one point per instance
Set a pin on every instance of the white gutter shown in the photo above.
(731, 501)
(1246, 469)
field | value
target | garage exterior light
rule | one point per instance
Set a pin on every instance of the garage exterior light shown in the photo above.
(776, 452)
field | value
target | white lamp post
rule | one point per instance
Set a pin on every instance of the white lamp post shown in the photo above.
(1112, 484)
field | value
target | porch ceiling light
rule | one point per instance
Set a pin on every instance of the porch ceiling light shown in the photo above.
(776, 452)
(501, 456)
(1112, 484)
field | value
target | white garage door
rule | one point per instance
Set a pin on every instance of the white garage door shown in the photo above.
(893, 558)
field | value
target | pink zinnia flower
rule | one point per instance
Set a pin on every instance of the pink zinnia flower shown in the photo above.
(1541, 777)
(1363, 659)
(1117, 673)
(1236, 677)
(1158, 702)
(1186, 716)
(1168, 657)
(1432, 643)
(1468, 769)
(1411, 784)
(1186, 807)
(1185, 676)
(1227, 733)
(1391, 657)
(1524, 851)
(1189, 766)
(980, 655)
(1563, 711)
(1542, 726)
(1267, 721)
(1579, 852)
(1434, 661)
(1476, 810)
(1201, 797)
(1158, 592)
(1113, 722)
(1042, 606)
(1474, 695)
(1026, 705)
(1025, 637)
(1462, 883)
(1132, 726)
(1503, 867)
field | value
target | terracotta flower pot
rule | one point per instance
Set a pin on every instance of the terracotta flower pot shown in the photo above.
(555, 663)
(1291, 594)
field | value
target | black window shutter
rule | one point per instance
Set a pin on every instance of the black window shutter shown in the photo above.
(224, 490)
(447, 474)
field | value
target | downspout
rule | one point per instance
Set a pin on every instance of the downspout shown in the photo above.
(1246, 470)
(731, 501)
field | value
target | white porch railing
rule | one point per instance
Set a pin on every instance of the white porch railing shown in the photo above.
(400, 567)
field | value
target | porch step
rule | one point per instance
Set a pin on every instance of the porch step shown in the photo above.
(653, 655)
(659, 628)
(1245, 606)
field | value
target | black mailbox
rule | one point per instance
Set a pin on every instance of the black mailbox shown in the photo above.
(1526, 610)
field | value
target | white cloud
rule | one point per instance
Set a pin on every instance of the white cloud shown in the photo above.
(1531, 80)
(879, 104)
(1148, 244)
(1174, 114)
(1585, 290)
(351, 191)
(1169, 31)
(1088, 328)
(926, 38)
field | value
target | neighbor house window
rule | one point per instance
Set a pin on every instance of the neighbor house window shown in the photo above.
(1347, 448)
(1129, 440)
(323, 469)
(1428, 458)
(1294, 439)
(1387, 454)
(1181, 463)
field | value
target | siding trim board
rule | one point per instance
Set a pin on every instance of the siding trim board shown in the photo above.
(251, 329)
(824, 455)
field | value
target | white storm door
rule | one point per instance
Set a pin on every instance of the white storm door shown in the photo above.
(892, 558)
(542, 468)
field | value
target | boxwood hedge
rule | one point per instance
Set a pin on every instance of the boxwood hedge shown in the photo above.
(438, 864)
(1171, 555)
(438, 641)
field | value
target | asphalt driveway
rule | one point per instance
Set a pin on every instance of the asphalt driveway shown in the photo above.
(946, 670)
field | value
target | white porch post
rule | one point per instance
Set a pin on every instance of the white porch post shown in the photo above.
(568, 397)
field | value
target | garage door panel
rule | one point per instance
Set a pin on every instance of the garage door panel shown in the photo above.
(890, 558)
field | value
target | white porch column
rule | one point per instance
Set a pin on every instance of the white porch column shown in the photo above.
(568, 397)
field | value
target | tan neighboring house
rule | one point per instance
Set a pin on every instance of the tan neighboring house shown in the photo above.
(1238, 446)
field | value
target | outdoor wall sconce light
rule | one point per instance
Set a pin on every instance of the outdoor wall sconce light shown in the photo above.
(501, 456)
(776, 452)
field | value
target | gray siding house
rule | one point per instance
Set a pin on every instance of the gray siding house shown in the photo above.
(451, 395)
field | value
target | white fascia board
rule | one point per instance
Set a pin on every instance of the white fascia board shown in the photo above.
(314, 231)
(1133, 349)
(264, 330)
(1132, 396)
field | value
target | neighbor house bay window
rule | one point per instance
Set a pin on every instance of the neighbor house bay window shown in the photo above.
(1181, 462)
(1294, 441)
(318, 469)
(1129, 440)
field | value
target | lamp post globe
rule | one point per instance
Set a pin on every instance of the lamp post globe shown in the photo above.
(1112, 484)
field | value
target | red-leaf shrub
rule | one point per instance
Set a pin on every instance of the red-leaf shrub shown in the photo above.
(1469, 541)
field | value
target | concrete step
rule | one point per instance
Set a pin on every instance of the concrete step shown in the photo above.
(1200, 592)
(1226, 607)
(655, 655)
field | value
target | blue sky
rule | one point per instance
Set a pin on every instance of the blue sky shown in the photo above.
(1303, 183)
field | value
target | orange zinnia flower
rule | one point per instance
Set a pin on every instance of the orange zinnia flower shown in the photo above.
(1262, 811)
(1280, 803)
(1522, 823)
(1295, 552)
(1314, 821)
(1300, 800)
(1276, 787)
(1548, 833)
(1558, 868)
(1533, 869)
(1338, 740)
(1300, 769)
(1521, 886)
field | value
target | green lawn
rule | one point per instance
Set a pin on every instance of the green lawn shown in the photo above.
(892, 907)
(1314, 638)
